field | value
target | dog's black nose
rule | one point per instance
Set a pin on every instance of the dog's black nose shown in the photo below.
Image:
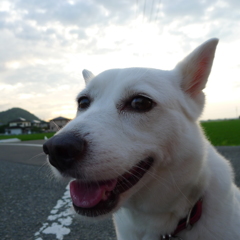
(64, 150)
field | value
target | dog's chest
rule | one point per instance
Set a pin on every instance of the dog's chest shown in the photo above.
(135, 226)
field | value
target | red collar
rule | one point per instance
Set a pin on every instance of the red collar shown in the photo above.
(188, 222)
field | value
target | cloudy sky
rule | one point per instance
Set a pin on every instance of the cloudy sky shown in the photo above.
(44, 45)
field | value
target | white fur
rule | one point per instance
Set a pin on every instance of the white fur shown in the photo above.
(186, 166)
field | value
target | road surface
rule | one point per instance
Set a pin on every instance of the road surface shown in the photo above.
(34, 205)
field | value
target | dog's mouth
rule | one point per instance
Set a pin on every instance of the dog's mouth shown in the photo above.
(93, 199)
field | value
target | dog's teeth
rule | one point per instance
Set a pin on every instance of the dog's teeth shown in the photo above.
(105, 195)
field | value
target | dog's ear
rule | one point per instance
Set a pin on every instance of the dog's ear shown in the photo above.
(196, 67)
(87, 75)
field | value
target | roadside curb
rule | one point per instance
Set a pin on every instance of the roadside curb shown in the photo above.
(10, 140)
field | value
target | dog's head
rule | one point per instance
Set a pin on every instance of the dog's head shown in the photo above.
(130, 125)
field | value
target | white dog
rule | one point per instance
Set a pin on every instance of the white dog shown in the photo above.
(135, 149)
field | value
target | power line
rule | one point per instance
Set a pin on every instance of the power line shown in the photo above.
(158, 10)
(151, 10)
(144, 8)
(136, 12)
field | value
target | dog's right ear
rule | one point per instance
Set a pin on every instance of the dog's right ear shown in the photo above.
(87, 75)
(194, 72)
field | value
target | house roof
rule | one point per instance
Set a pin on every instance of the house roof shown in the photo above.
(19, 120)
(43, 122)
(60, 118)
(36, 121)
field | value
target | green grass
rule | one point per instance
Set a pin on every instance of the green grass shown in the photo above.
(220, 133)
(28, 137)
(223, 133)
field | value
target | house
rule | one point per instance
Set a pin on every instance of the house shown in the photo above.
(57, 123)
(39, 125)
(44, 125)
(18, 126)
(36, 123)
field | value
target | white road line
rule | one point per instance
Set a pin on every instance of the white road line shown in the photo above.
(22, 144)
(59, 221)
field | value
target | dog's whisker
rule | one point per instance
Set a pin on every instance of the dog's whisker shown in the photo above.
(176, 185)
(45, 164)
(126, 182)
(36, 156)
(167, 185)
(156, 177)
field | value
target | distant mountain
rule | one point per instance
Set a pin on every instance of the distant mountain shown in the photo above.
(14, 113)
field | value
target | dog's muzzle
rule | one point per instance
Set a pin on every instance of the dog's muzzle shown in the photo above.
(66, 152)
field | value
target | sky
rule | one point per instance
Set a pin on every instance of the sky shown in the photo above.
(45, 45)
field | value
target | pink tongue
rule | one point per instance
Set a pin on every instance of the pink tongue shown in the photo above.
(87, 195)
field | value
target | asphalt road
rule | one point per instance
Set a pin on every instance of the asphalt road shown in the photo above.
(36, 206)
(29, 195)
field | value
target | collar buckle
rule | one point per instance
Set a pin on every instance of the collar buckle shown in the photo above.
(170, 237)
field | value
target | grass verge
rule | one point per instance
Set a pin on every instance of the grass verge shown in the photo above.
(28, 137)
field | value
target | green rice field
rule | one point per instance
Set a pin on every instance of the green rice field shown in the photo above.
(220, 133)
(223, 133)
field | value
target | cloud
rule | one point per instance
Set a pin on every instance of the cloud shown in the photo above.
(45, 44)
(76, 13)
(192, 9)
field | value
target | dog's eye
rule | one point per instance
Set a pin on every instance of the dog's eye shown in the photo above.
(83, 103)
(141, 104)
